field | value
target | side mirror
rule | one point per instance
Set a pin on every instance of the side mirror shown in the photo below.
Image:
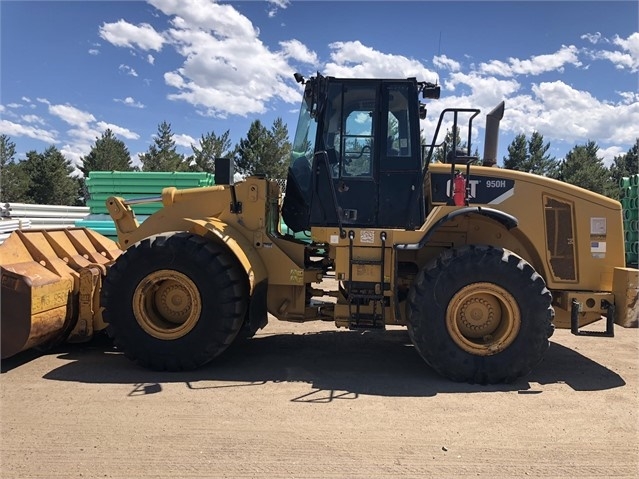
(431, 92)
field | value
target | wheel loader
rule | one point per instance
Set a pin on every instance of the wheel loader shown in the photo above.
(479, 263)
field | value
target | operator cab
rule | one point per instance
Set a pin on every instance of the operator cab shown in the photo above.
(356, 158)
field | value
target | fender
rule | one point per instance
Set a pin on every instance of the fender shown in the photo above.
(508, 221)
(216, 230)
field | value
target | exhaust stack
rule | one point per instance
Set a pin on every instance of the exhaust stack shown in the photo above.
(492, 135)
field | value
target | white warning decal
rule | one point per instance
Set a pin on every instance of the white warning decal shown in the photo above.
(367, 236)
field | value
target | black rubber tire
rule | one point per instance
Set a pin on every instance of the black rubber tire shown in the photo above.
(437, 284)
(215, 273)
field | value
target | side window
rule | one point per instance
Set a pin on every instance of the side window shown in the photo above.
(398, 134)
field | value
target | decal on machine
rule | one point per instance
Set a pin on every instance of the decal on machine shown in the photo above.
(598, 230)
(483, 189)
(297, 276)
(367, 236)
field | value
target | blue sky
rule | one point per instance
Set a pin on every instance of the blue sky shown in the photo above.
(69, 70)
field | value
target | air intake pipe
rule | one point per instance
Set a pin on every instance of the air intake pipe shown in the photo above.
(492, 135)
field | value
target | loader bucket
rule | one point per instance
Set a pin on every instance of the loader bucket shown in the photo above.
(48, 285)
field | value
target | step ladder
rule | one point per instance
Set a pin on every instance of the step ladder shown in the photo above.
(356, 299)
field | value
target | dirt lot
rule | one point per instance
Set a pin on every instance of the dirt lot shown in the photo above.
(310, 401)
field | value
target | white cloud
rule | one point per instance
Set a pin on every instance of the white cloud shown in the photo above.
(94, 51)
(224, 20)
(150, 59)
(118, 130)
(442, 61)
(298, 51)
(608, 154)
(484, 90)
(71, 115)
(629, 97)
(626, 58)
(560, 112)
(276, 5)
(15, 129)
(125, 34)
(184, 140)
(536, 65)
(127, 70)
(33, 119)
(227, 70)
(593, 38)
(77, 140)
(353, 60)
(129, 101)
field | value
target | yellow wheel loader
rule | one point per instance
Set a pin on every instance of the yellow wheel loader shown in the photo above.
(479, 263)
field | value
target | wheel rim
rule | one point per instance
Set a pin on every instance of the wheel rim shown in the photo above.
(167, 304)
(483, 319)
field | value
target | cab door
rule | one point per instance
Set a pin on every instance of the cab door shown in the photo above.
(400, 194)
(349, 137)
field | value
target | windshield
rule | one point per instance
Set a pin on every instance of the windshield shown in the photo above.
(303, 147)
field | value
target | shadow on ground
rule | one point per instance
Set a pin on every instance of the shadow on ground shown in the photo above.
(334, 363)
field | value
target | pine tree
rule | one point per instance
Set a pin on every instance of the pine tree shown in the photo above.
(582, 167)
(541, 163)
(264, 151)
(162, 155)
(50, 181)
(531, 156)
(517, 153)
(13, 179)
(107, 154)
(211, 147)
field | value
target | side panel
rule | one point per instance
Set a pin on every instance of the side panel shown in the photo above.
(577, 234)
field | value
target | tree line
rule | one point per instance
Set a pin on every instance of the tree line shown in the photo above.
(47, 177)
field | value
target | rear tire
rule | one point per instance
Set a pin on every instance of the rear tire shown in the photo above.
(480, 314)
(174, 303)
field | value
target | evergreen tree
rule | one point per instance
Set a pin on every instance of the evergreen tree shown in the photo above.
(211, 147)
(162, 155)
(50, 183)
(13, 179)
(582, 167)
(264, 151)
(623, 165)
(541, 163)
(107, 154)
(517, 154)
(531, 156)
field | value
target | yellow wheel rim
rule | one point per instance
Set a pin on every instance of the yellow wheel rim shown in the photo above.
(167, 304)
(483, 319)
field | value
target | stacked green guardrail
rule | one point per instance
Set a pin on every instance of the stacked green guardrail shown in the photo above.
(138, 184)
(131, 185)
(629, 204)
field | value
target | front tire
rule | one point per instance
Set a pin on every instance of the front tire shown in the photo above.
(174, 303)
(480, 314)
